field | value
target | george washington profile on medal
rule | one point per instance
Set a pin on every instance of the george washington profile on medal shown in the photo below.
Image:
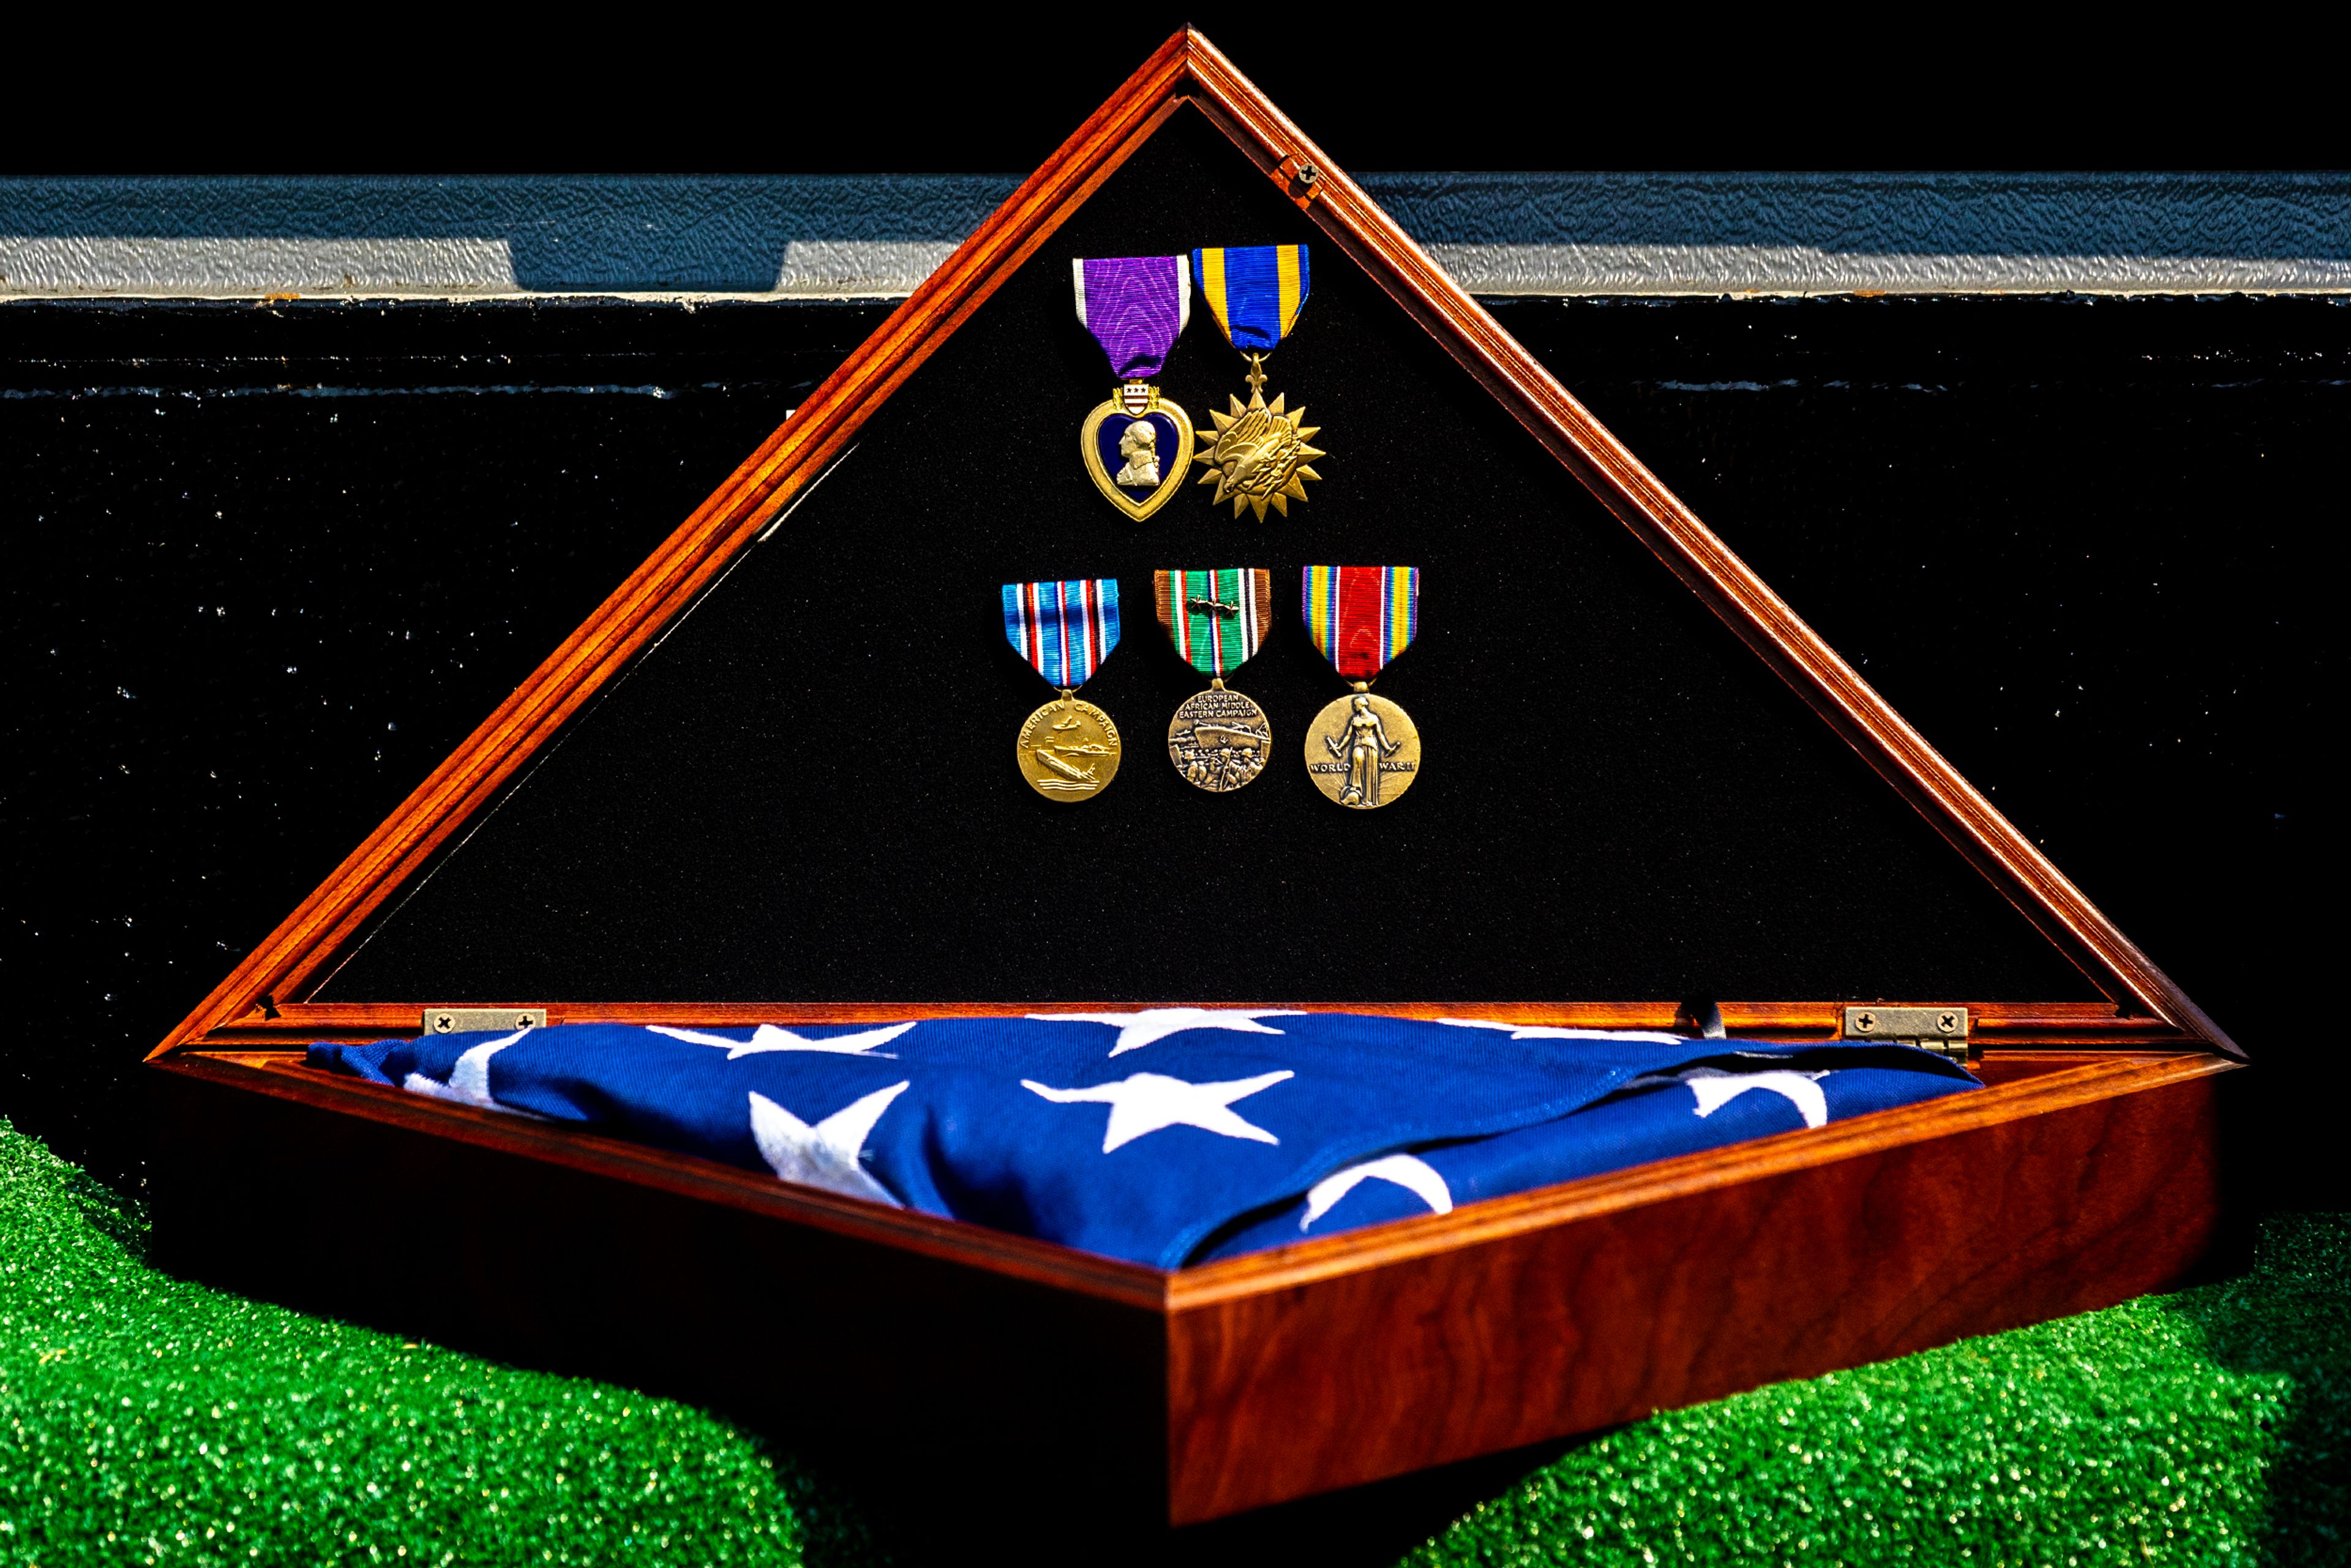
(1138, 449)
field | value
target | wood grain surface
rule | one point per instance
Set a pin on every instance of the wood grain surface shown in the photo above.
(1582, 1306)
(2080, 1179)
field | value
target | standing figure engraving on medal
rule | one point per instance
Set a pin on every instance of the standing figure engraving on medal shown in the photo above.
(1260, 453)
(1068, 749)
(1219, 739)
(1367, 745)
(1363, 751)
(1136, 445)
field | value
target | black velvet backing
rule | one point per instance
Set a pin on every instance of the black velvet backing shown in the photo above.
(807, 791)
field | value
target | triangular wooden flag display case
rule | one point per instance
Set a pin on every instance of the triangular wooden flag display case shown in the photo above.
(770, 779)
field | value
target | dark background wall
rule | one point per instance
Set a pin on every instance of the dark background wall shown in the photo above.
(996, 88)
(269, 564)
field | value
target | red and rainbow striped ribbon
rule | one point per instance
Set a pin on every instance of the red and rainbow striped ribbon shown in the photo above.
(1216, 617)
(1065, 630)
(1362, 616)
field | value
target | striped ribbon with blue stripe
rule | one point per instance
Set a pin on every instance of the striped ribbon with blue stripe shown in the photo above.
(1361, 616)
(1255, 292)
(1065, 630)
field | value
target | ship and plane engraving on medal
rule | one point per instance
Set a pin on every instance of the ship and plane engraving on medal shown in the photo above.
(1362, 750)
(1069, 750)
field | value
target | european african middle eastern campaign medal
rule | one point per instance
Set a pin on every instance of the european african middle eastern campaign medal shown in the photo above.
(1137, 445)
(1069, 748)
(1219, 739)
(1259, 457)
(1363, 751)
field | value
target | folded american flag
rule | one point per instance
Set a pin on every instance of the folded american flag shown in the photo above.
(1164, 1137)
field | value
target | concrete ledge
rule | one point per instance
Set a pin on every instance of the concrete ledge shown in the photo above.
(816, 236)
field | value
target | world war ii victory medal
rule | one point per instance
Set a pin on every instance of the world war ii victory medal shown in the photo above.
(1137, 445)
(1219, 739)
(1068, 749)
(1361, 751)
(1259, 457)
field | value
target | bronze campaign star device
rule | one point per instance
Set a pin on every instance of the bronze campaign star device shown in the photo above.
(1218, 739)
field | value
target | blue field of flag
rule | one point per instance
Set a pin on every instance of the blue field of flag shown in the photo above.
(1164, 1137)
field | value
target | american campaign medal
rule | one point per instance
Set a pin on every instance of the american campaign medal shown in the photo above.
(1362, 750)
(1260, 453)
(1136, 446)
(1218, 739)
(1068, 749)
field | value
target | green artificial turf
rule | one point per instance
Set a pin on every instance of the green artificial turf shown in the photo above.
(145, 1419)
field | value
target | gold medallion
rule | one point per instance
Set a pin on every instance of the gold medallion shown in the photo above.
(1069, 750)
(1363, 751)
(1259, 457)
(1136, 447)
(1219, 739)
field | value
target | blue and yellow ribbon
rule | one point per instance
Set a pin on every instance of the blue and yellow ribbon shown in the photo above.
(1255, 292)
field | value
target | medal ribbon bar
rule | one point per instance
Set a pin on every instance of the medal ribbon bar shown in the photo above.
(1255, 292)
(1361, 616)
(1136, 307)
(1216, 618)
(1065, 630)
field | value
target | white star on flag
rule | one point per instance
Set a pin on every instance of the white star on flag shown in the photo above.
(1714, 1089)
(1149, 1101)
(469, 1078)
(1409, 1172)
(768, 1037)
(824, 1156)
(1137, 1029)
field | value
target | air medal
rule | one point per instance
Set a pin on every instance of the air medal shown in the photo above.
(1259, 456)
(1218, 739)
(1361, 751)
(1068, 749)
(1137, 445)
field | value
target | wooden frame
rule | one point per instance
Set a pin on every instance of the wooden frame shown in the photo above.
(2075, 1180)
(2089, 1171)
(1187, 67)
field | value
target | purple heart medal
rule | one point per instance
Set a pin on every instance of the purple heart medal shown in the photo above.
(1136, 446)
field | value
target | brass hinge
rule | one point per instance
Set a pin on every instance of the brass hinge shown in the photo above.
(477, 1021)
(1940, 1029)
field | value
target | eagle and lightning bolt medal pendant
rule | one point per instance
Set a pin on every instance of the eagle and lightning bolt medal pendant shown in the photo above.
(1262, 452)
(1136, 446)
(1218, 739)
(1069, 748)
(1361, 751)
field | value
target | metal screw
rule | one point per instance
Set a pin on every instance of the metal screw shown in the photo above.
(522, 1021)
(443, 1023)
(1948, 1022)
(1865, 1021)
(1307, 173)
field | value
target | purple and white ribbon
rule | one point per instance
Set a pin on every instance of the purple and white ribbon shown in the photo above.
(1135, 306)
